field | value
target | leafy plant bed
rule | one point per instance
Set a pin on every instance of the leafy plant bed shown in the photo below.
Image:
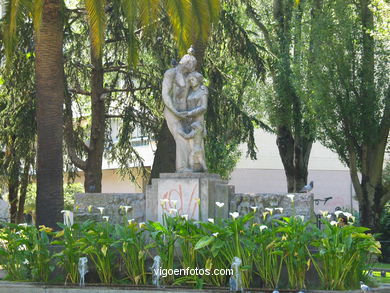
(25, 287)
(287, 252)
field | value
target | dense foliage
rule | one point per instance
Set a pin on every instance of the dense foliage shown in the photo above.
(119, 252)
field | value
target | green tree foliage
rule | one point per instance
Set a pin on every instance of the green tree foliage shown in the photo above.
(351, 96)
(233, 85)
(279, 27)
(18, 126)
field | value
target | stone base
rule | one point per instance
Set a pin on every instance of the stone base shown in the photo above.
(192, 194)
(111, 203)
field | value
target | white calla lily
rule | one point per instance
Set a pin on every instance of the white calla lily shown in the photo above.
(234, 215)
(291, 196)
(219, 204)
(279, 209)
(127, 208)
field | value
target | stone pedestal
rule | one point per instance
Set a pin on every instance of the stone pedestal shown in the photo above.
(192, 194)
(4, 211)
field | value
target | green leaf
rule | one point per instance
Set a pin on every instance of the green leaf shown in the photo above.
(204, 241)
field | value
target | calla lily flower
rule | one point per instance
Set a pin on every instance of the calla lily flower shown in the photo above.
(234, 215)
(279, 209)
(291, 196)
(219, 204)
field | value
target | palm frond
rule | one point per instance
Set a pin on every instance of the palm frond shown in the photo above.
(11, 19)
(149, 10)
(214, 8)
(179, 13)
(37, 8)
(130, 10)
(97, 23)
(133, 50)
(201, 20)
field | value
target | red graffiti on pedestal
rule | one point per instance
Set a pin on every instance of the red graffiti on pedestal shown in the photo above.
(183, 207)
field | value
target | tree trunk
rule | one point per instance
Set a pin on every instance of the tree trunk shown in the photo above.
(302, 149)
(165, 155)
(23, 191)
(371, 203)
(49, 70)
(294, 153)
(92, 166)
(285, 143)
(93, 171)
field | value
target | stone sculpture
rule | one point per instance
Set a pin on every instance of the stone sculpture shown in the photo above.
(185, 99)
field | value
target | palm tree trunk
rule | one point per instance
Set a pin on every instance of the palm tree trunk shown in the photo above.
(50, 88)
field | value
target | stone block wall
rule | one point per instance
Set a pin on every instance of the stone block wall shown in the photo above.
(239, 202)
(303, 203)
(111, 203)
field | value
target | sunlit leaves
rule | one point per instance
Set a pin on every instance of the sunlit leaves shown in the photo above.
(97, 21)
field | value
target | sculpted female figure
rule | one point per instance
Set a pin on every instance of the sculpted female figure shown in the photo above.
(175, 89)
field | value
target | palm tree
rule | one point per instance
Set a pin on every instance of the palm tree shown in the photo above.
(49, 71)
(190, 19)
(50, 96)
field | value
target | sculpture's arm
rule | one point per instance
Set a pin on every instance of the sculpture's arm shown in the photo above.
(166, 93)
(166, 90)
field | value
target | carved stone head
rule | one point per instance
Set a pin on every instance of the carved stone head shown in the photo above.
(188, 63)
